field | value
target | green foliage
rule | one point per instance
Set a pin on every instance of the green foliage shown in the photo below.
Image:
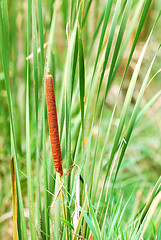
(105, 71)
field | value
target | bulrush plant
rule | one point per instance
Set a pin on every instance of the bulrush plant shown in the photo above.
(53, 124)
(85, 184)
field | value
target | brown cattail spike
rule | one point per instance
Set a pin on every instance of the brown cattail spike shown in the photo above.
(53, 124)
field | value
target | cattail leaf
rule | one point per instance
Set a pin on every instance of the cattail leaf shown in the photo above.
(35, 65)
(35, 59)
(81, 77)
(74, 64)
(28, 144)
(14, 198)
(105, 22)
(40, 25)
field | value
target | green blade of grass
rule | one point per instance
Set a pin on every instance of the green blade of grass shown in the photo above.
(94, 219)
(67, 80)
(14, 198)
(52, 34)
(109, 45)
(74, 64)
(96, 33)
(35, 66)
(105, 22)
(67, 223)
(141, 22)
(40, 25)
(119, 40)
(91, 226)
(28, 143)
(88, 4)
(81, 78)
(128, 34)
(6, 27)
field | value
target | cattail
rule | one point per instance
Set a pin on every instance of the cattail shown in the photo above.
(53, 124)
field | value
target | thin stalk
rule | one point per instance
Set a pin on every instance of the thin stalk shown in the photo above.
(63, 206)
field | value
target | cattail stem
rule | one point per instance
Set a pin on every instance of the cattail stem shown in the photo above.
(63, 206)
(53, 124)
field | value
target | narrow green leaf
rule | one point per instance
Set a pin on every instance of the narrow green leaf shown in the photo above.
(81, 77)
(105, 22)
(94, 218)
(35, 66)
(118, 42)
(40, 25)
(14, 198)
(109, 44)
(90, 224)
(28, 150)
(67, 223)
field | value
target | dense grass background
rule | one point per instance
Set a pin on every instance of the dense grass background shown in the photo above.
(105, 60)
